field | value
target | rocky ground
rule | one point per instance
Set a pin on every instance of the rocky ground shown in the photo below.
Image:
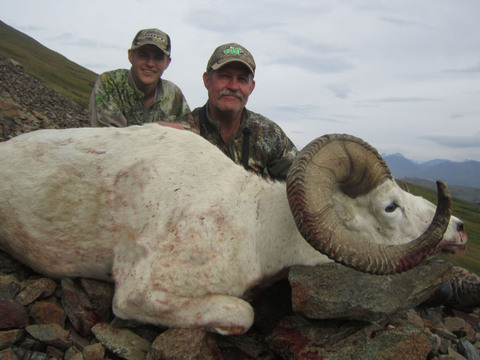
(26, 104)
(42, 318)
(327, 312)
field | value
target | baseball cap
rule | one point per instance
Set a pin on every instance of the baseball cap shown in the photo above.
(227, 53)
(152, 37)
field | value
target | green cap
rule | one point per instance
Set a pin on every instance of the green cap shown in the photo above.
(227, 53)
(152, 37)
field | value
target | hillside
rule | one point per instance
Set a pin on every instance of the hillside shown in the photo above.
(56, 71)
(27, 104)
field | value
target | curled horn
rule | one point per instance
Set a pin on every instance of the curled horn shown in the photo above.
(349, 162)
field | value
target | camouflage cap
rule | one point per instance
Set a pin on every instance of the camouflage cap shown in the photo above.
(227, 53)
(152, 37)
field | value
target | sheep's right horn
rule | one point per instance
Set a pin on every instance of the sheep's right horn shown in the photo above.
(355, 166)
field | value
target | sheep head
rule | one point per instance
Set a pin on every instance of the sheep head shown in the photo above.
(345, 162)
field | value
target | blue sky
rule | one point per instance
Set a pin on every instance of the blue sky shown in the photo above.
(404, 75)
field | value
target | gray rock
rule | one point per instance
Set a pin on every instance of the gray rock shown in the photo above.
(52, 334)
(335, 291)
(121, 342)
(35, 289)
(12, 315)
(21, 353)
(78, 307)
(10, 337)
(8, 354)
(186, 344)
(94, 352)
(467, 349)
(302, 339)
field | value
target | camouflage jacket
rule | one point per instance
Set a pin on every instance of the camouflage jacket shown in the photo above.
(116, 101)
(270, 151)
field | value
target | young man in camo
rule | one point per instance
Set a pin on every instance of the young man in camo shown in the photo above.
(137, 96)
(246, 137)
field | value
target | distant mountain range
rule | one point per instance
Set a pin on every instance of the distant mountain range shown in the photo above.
(463, 178)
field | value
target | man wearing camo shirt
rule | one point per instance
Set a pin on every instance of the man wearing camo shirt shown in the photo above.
(246, 137)
(137, 96)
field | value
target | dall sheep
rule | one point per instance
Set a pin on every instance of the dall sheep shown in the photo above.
(184, 232)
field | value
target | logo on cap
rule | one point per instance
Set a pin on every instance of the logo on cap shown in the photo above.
(233, 50)
(227, 53)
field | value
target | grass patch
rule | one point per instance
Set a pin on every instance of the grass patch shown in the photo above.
(469, 213)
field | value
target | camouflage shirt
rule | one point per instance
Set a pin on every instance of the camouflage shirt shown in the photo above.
(116, 101)
(270, 151)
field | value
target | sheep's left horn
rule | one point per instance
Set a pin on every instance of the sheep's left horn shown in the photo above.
(349, 162)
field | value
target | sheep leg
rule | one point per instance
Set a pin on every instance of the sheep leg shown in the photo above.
(226, 315)
(148, 290)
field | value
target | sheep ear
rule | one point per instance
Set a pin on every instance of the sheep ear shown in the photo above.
(349, 162)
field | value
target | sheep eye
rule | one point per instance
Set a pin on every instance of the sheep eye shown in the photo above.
(391, 207)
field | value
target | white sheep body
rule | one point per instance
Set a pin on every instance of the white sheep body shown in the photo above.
(182, 230)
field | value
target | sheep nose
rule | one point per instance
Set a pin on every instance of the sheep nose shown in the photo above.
(460, 226)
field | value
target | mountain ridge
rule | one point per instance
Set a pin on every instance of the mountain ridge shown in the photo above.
(465, 174)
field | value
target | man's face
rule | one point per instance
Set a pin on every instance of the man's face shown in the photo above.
(229, 87)
(148, 65)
